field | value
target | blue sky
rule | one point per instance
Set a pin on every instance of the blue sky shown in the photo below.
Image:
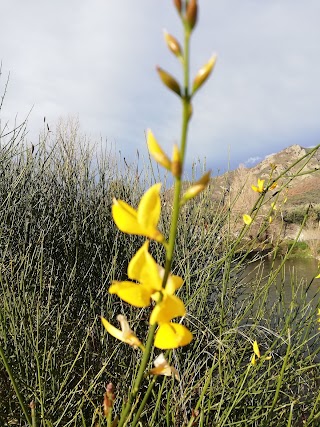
(96, 60)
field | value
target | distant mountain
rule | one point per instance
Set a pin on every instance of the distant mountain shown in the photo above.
(302, 189)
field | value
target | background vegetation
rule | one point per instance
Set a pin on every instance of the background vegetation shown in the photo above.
(59, 251)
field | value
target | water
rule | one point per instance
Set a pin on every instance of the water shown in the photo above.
(300, 271)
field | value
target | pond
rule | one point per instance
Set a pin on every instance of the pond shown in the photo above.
(296, 270)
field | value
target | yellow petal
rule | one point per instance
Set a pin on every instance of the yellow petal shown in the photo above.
(172, 335)
(170, 307)
(259, 188)
(253, 360)
(156, 151)
(318, 276)
(148, 214)
(256, 349)
(144, 268)
(247, 219)
(125, 217)
(173, 284)
(132, 293)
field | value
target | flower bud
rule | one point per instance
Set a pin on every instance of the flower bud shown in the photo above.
(176, 162)
(192, 13)
(173, 44)
(108, 399)
(196, 187)
(169, 81)
(156, 151)
(178, 5)
(203, 73)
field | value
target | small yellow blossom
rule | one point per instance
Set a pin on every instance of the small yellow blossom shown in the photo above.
(259, 188)
(144, 220)
(162, 367)
(256, 349)
(247, 219)
(273, 186)
(144, 269)
(256, 354)
(318, 276)
(124, 334)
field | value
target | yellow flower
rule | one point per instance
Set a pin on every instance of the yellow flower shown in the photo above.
(318, 276)
(144, 269)
(162, 367)
(124, 334)
(256, 349)
(172, 335)
(142, 221)
(273, 186)
(259, 188)
(247, 219)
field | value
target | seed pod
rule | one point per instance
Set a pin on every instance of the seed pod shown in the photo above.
(203, 73)
(192, 13)
(173, 44)
(169, 81)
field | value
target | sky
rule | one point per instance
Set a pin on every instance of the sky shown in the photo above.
(96, 60)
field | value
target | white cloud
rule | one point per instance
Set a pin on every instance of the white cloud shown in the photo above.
(96, 60)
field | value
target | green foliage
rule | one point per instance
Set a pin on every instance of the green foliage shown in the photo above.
(59, 249)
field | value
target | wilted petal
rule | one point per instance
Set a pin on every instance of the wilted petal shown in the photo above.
(125, 334)
(172, 335)
(162, 367)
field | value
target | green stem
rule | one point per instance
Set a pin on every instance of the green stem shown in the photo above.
(172, 237)
(136, 385)
(15, 386)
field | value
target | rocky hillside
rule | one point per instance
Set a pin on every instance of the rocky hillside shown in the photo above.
(303, 177)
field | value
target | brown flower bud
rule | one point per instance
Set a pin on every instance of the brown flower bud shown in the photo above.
(169, 81)
(203, 73)
(173, 44)
(178, 5)
(192, 13)
(108, 399)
